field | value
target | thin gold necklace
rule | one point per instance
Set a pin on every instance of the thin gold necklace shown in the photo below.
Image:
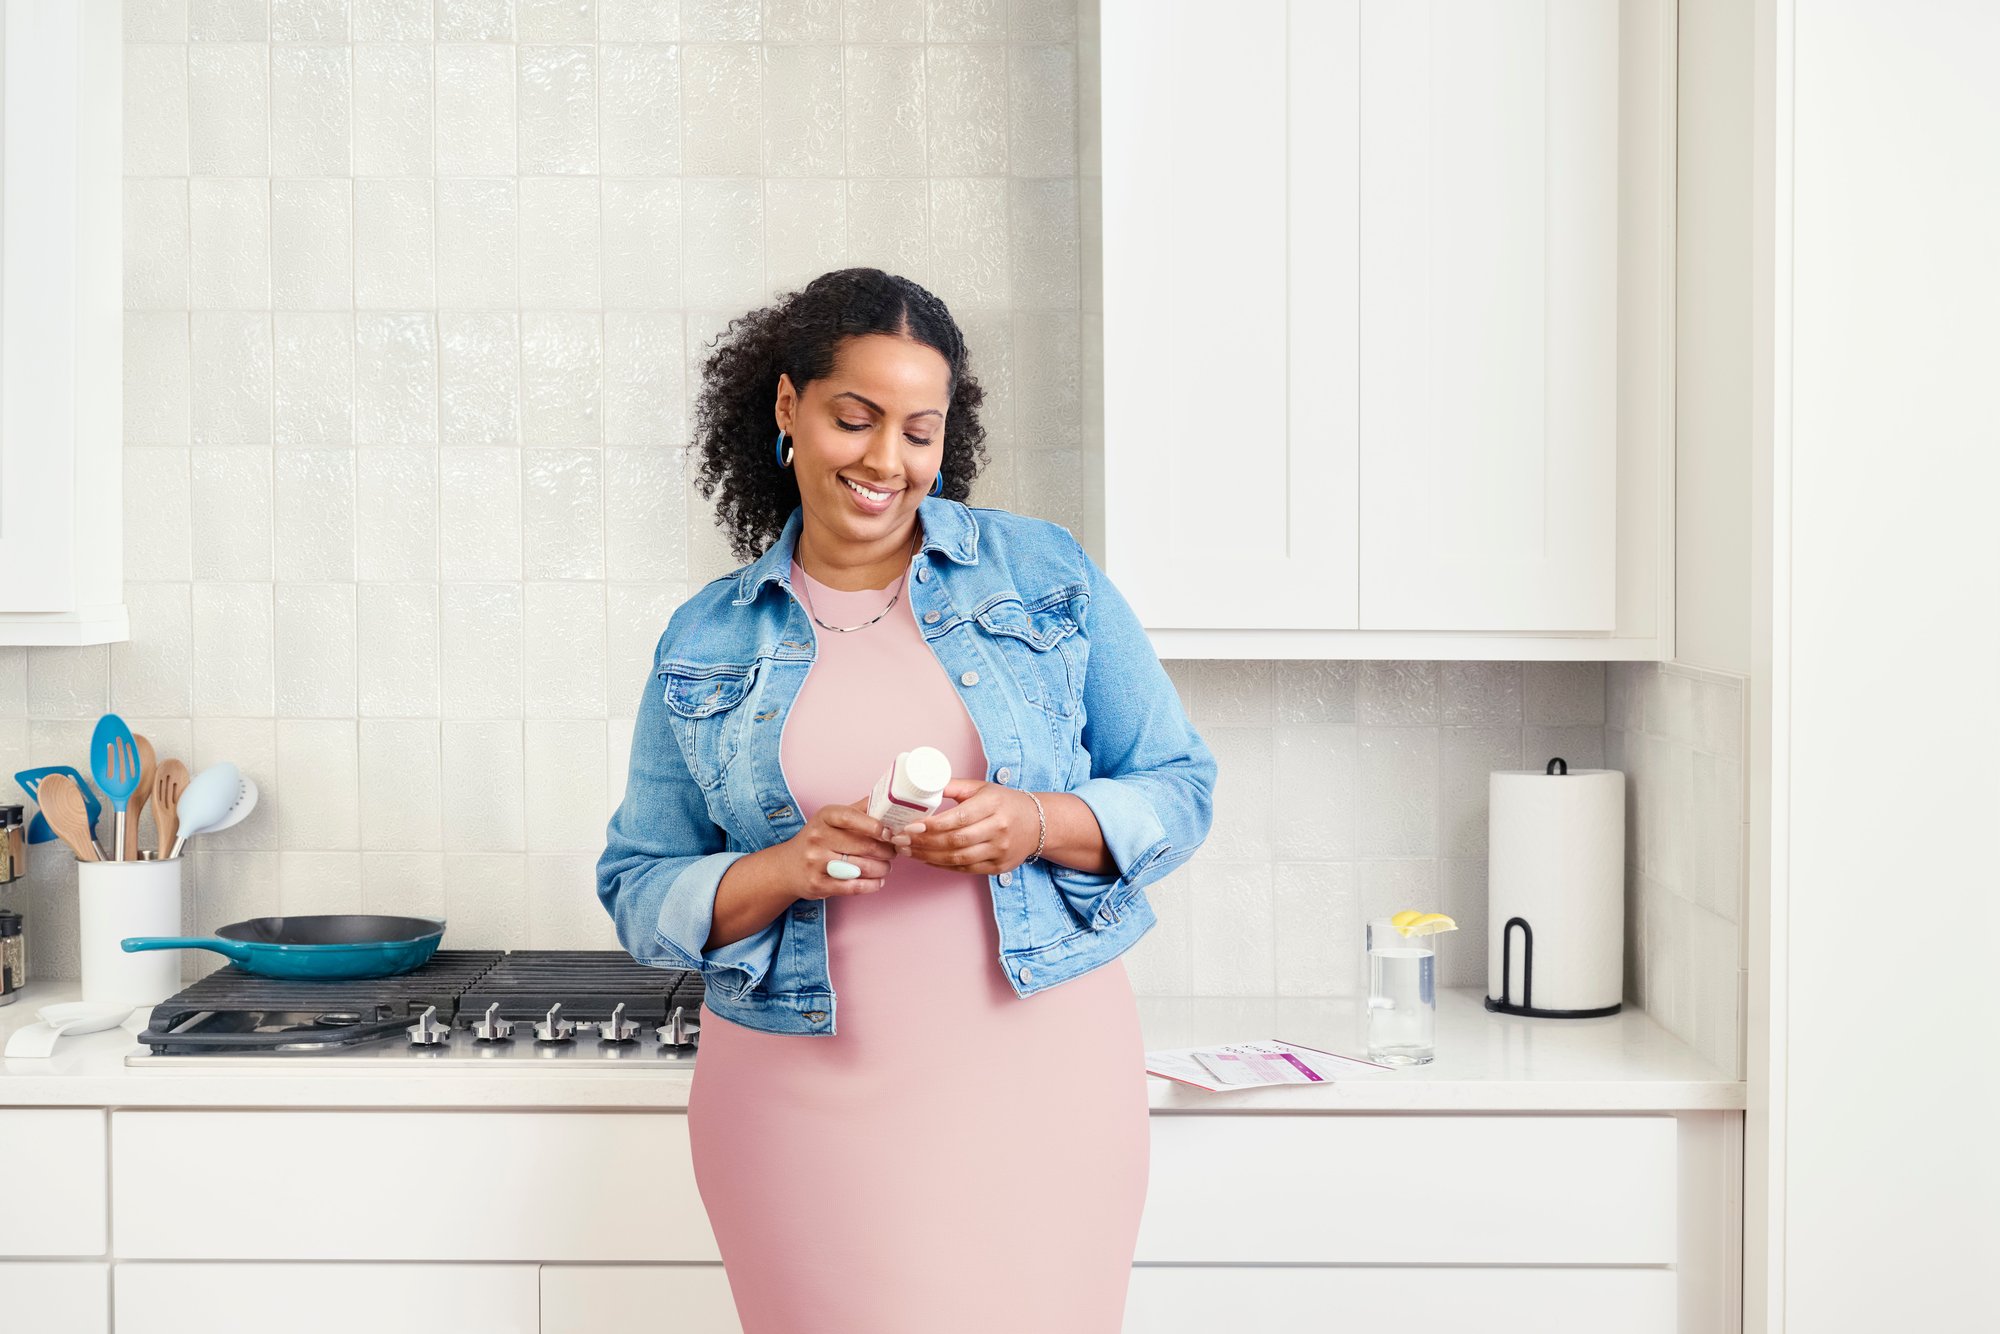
(804, 587)
(848, 629)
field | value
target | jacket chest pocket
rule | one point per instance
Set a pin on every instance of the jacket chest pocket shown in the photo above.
(1038, 647)
(704, 703)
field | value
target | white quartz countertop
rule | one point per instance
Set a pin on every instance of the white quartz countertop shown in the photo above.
(1485, 1062)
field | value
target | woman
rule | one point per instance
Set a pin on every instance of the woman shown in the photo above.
(957, 1137)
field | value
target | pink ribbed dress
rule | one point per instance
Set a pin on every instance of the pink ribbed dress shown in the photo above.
(956, 1157)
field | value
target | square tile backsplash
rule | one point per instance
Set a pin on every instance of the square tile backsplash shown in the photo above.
(415, 296)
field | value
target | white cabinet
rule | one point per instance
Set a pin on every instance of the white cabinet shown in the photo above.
(1489, 314)
(61, 324)
(1462, 1190)
(1229, 395)
(54, 1198)
(1386, 325)
(477, 1186)
(564, 1222)
(638, 1299)
(1407, 1299)
(326, 1298)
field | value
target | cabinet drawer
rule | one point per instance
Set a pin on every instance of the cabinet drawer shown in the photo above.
(364, 1185)
(55, 1193)
(55, 1297)
(1411, 1189)
(1200, 1300)
(325, 1299)
(637, 1299)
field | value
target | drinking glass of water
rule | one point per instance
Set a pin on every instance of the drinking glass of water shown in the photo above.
(1402, 995)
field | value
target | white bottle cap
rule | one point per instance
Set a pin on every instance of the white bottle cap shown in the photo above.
(926, 769)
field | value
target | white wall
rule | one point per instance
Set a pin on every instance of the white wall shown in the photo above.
(414, 297)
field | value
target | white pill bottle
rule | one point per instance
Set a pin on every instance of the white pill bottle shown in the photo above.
(911, 788)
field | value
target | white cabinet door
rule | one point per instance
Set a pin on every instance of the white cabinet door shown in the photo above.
(55, 1297)
(326, 1298)
(62, 300)
(1362, 313)
(1489, 314)
(54, 1198)
(1205, 1299)
(1229, 154)
(637, 1299)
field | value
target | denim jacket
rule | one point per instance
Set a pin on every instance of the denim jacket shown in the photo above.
(1061, 684)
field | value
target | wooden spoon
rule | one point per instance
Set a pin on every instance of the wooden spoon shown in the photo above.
(144, 791)
(62, 806)
(167, 788)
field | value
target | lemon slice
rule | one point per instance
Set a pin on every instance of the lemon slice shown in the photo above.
(1404, 918)
(1429, 924)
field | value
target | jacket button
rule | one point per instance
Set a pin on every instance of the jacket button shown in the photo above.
(1004, 774)
(923, 574)
(814, 1015)
(930, 618)
(1006, 877)
(1026, 974)
(969, 679)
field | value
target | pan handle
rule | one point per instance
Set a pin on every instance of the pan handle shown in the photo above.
(237, 950)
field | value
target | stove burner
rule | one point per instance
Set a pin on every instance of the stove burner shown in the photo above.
(560, 996)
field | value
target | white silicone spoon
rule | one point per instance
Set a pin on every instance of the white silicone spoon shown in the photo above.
(210, 795)
(39, 1040)
(246, 801)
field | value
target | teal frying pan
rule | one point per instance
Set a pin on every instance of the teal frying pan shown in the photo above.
(328, 945)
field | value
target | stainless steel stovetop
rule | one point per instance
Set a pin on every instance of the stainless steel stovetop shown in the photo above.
(588, 1007)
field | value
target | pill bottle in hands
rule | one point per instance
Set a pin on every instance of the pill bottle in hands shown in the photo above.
(911, 788)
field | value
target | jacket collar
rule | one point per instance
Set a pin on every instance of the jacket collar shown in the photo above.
(948, 528)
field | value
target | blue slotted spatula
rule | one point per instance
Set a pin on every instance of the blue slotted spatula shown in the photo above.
(31, 783)
(114, 762)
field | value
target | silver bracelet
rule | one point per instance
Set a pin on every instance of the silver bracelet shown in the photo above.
(1042, 816)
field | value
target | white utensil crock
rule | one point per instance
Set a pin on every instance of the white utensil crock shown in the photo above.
(121, 899)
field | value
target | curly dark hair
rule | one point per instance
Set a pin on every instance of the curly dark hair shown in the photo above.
(798, 335)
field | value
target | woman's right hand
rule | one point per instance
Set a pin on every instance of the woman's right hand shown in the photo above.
(850, 834)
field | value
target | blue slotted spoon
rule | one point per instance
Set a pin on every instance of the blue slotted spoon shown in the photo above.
(114, 762)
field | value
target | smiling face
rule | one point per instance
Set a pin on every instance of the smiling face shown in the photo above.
(877, 422)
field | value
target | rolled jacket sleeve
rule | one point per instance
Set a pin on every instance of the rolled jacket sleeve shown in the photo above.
(1152, 776)
(664, 858)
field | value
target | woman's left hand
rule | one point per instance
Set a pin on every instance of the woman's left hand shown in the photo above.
(993, 828)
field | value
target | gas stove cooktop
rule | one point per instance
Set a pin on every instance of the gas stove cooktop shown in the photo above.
(589, 1006)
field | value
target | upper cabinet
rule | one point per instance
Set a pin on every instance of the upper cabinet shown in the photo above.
(61, 323)
(1387, 325)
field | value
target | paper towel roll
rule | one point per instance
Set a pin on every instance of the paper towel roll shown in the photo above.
(1556, 860)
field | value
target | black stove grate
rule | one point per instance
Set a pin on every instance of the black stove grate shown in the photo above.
(587, 983)
(443, 977)
(460, 983)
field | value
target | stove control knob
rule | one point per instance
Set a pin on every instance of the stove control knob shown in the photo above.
(427, 1031)
(491, 1027)
(618, 1028)
(554, 1028)
(679, 1030)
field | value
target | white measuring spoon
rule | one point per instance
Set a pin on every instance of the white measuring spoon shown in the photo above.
(39, 1040)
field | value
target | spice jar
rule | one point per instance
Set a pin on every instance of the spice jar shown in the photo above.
(13, 957)
(13, 844)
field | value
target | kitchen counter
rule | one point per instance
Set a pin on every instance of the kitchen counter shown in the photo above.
(1486, 1062)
